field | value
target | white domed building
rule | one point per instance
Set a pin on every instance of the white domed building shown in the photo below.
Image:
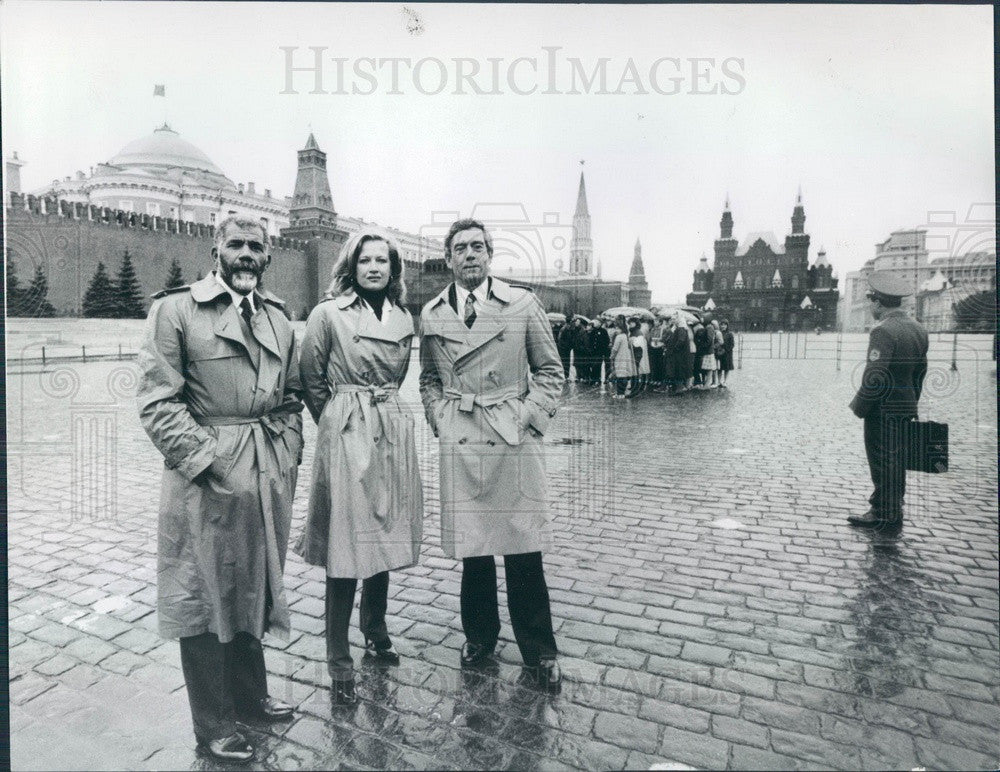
(164, 175)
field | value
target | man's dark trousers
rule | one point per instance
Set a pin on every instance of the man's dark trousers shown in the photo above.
(884, 445)
(222, 679)
(527, 601)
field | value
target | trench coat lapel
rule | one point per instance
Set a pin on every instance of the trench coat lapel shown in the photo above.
(442, 321)
(263, 329)
(486, 328)
(489, 321)
(270, 362)
(228, 326)
(393, 329)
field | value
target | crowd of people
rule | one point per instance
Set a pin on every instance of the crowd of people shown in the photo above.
(671, 354)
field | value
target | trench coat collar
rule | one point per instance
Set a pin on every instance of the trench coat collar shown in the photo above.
(396, 326)
(228, 324)
(208, 289)
(488, 326)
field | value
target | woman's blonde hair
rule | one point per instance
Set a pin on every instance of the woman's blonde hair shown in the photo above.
(343, 277)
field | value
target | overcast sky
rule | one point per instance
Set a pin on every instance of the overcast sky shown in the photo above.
(882, 114)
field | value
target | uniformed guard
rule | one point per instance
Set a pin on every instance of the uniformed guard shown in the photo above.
(219, 396)
(490, 379)
(888, 395)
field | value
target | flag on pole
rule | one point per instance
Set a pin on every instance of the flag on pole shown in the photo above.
(159, 90)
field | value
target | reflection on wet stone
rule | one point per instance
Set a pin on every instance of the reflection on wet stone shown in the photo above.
(892, 621)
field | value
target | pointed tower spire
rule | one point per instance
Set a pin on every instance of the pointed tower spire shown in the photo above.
(581, 200)
(312, 202)
(726, 223)
(638, 289)
(581, 251)
(798, 215)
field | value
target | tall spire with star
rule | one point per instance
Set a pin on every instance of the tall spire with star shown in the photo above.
(581, 252)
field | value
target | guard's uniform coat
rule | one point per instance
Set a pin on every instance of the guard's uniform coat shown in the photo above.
(214, 393)
(482, 389)
(366, 502)
(895, 370)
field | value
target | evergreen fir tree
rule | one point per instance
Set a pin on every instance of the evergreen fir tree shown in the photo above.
(174, 277)
(128, 295)
(36, 298)
(99, 300)
(15, 292)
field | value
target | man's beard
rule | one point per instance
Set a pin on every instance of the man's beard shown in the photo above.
(244, 277)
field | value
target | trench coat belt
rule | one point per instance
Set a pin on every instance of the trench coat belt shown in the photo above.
(371, 409)
(267, 421)
(467, 400)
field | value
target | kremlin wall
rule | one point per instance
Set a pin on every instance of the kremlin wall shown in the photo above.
(71, 225)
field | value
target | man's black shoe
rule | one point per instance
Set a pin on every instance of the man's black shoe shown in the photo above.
(474, 653)
(872, 520)
(235, 748)
(343, 692)
(382, 651)
(269, 709)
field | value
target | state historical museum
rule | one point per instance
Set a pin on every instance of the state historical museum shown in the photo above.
(760, 284)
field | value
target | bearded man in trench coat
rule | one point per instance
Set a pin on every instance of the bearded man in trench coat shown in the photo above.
(490, 379)
(219, 396)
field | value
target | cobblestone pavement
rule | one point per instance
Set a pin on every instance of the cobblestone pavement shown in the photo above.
(712, 607)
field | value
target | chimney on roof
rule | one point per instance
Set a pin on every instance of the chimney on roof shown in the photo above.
(267, 192)
(250, 189)
(240, 186)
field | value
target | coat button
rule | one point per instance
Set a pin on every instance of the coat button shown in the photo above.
(462, 441)
(491, 443)
(357, 338)
(500, 336)
(375, 438)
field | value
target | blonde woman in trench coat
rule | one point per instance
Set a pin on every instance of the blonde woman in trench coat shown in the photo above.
(365, 502)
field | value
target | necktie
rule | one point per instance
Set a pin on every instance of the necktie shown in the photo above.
(470, 310)
(245, 310)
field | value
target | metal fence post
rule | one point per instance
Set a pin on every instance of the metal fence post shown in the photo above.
(840, 343)
(954, 351)
(84, 350)
(739, 358)
(43, 356)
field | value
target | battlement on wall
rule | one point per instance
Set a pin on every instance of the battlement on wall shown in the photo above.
(50, 207)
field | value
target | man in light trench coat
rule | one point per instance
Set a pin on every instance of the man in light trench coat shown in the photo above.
(219, 396)
(490, 379)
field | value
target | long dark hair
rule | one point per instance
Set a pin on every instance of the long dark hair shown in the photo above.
(343, 277)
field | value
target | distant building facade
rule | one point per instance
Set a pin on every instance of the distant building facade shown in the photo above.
(937, 284)
(761, 284)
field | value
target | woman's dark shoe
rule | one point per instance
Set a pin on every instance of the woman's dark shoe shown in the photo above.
(235, 748)
(382, 651)
(474, 654)
(343, 692)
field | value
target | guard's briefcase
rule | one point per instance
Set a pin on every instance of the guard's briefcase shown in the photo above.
(926, 446)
